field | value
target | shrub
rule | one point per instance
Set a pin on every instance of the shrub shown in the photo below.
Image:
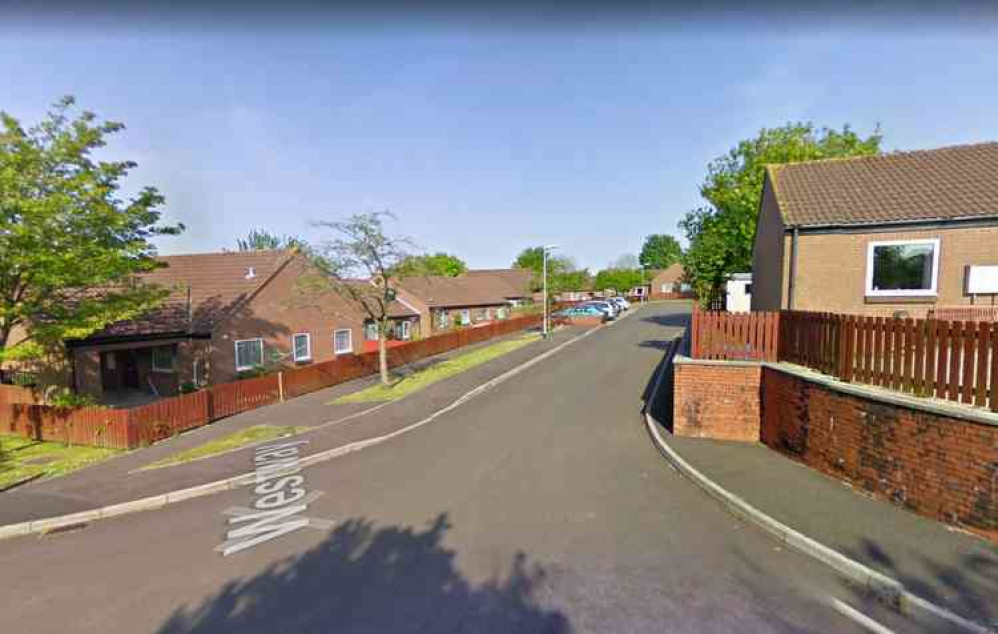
(66, 398)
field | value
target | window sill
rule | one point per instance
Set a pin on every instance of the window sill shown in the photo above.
(928, 298)
(158, 371)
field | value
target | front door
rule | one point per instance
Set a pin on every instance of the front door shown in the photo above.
(129, 368)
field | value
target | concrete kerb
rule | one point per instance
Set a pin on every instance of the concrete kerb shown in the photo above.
(884, 588)
(159, 501)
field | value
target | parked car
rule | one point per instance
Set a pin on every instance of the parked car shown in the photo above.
(607, 307)
(621, 303)
(581, 311)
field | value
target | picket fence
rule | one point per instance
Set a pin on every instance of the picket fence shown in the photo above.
(129, 428)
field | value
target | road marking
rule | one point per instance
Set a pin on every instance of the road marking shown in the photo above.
(858, 617)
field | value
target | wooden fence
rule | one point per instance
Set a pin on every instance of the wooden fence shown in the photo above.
(952, 360)
(747, 336)
(129, 428)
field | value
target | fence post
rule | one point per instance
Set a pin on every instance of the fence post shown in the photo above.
(695, 334)
(846, 348)
(280, 386)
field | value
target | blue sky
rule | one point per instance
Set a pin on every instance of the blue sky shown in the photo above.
(483, 140)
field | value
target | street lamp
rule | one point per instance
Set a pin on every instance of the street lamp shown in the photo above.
(544, 260)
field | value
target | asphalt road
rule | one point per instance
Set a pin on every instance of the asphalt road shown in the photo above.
(539, 506)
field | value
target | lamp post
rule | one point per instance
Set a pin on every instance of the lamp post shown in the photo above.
(544, 266)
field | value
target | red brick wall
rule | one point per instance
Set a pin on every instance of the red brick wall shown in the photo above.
(942, 467)
(718, 400)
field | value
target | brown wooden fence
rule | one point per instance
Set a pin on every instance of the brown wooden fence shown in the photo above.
(747, 336)
(952, 360)
(17, 395)
(125, 429)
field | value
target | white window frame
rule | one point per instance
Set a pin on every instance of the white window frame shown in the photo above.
(406, 330)
(466, 317)
(904, 292)
(152, 360)
(308, 347)
(349, 340)
(235, 344)
(368, 326)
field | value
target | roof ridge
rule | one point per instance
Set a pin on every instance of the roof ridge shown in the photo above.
(885, 155)
(225, 253)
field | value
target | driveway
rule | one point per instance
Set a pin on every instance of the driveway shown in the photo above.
(538, 506)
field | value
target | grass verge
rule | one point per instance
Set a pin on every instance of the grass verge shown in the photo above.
(415, 381)
(22, 458)
(223, 444)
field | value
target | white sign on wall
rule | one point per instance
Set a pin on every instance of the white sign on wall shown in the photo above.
(982, 280)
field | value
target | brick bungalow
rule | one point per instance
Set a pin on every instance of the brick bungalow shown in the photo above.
(670, 283)
(444, 303)
(880, 235)
(228, 314)
(516, 283)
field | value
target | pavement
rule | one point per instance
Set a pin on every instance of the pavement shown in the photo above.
(120, 479)
(540, 505)
(950, 568)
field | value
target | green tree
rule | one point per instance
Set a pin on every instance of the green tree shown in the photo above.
(263, 240)
(356, 263)
(437, 264)
(532, 258)
(620, 280)
(721, 234)
(71, 245)
(660, 251)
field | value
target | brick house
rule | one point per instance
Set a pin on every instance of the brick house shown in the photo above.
(444, 303)
(882, 235)
(228, 314)
(514, 284)
(670, 283)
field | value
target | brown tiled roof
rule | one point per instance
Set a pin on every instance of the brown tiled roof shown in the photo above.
(469, 290)
(218, 282)
(672, 274)
(942, 184)
(517, 280)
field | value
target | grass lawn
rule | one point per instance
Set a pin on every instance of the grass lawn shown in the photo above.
(405, 385)
(21, 458)
(235, 440)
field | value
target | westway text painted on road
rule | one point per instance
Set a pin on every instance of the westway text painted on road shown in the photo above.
(282, 499)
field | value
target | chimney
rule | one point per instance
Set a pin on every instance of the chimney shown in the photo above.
(250, 273)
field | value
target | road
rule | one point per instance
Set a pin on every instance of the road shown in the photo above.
(539, 506)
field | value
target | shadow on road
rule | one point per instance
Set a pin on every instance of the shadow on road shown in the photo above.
(659, 404)
(672, 320)
(367, 579)
(966, 583)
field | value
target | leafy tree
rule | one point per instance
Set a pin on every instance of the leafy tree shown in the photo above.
(263, 240)
(626, 261)
(660, 251)
(437, 264)
(357, 264)
(71, 246)
(721, 234)
(532, 258)
(620, 280)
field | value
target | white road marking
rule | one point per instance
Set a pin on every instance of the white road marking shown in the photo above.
(858, 617)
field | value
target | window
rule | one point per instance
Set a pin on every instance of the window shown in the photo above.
(502, 313)
(902, 267)
(666, 288)
(249, 354)
(404, 331)
(465, 317)
(442, 319)
(748, 289)
(488, 314)
(371, 331)
(302, 347)
(342, 341)
(162, 359)
(685, 288)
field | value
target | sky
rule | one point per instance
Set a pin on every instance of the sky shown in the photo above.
(484, 138)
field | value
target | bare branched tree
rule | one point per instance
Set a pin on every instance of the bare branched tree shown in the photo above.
(356, 263)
